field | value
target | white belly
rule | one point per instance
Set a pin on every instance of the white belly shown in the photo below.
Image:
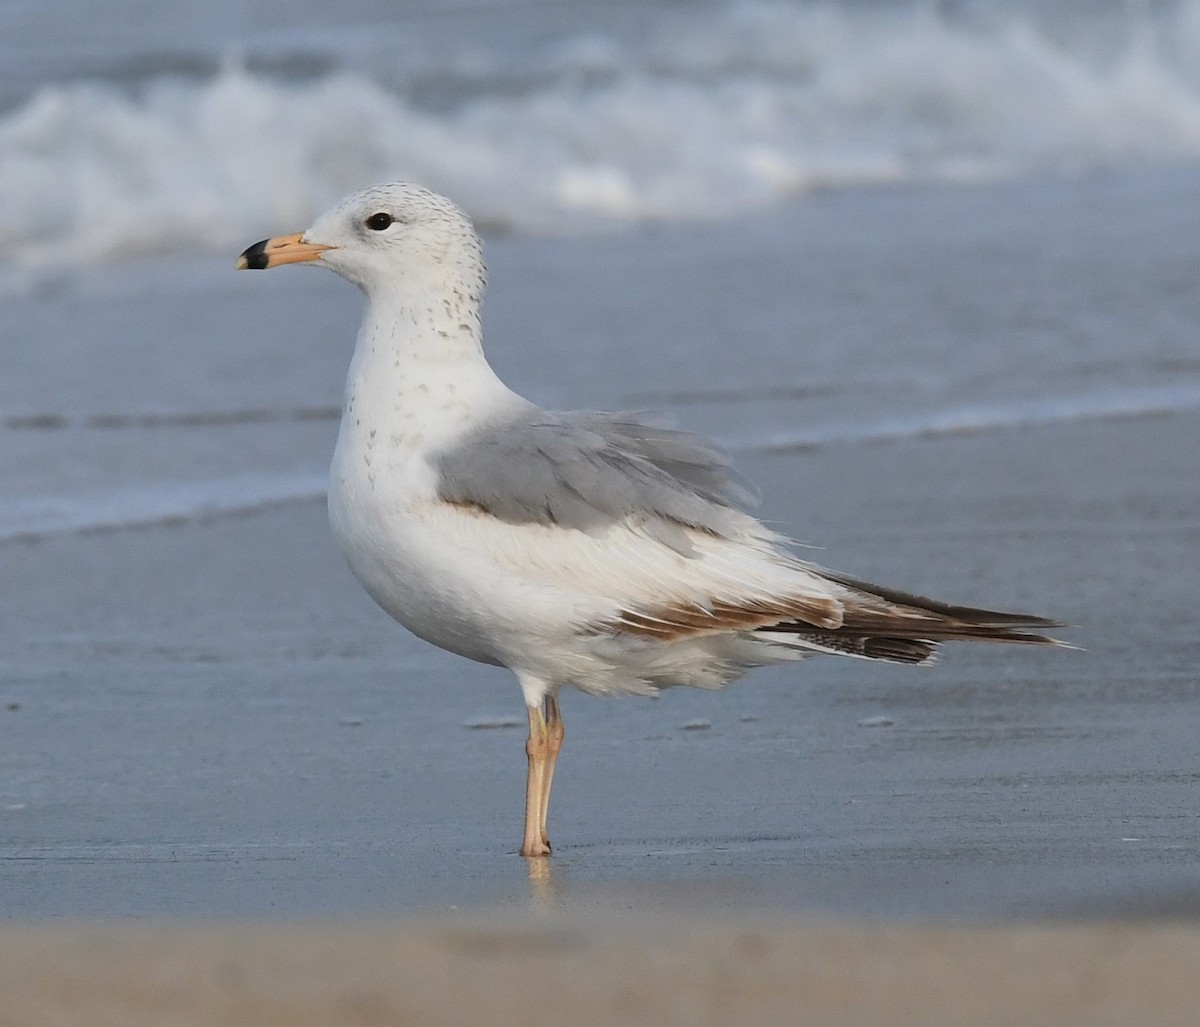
(388, 549)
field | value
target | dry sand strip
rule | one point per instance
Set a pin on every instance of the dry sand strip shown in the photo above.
(582, 973)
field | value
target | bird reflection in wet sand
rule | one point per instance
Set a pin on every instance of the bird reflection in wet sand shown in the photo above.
(545, 891)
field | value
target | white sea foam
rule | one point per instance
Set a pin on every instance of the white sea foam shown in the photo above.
(719, 113)
(1102, 404)
(33, 517)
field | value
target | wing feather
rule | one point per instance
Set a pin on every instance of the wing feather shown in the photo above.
(663, 543)
(588, 470)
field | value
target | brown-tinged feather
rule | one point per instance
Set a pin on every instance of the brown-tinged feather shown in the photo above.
(922, 606)
(670, 623)
(870, 622)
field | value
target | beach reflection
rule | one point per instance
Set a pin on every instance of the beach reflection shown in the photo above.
(545, 885)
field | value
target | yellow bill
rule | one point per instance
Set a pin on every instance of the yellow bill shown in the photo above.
(282, 249)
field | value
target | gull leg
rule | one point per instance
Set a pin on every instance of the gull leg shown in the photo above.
(554, 739)
(537, 749)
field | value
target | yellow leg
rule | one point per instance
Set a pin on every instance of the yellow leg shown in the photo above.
(555, 732)
(545, 741)
(536, 748)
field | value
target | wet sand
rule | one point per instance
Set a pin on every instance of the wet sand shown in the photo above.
(211, 719)
(205, 722)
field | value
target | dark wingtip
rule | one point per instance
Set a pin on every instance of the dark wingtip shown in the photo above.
(253, 258)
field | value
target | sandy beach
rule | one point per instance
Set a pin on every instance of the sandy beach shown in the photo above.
(593, 973)
(255, 740)
(204, 722)
(929, 271)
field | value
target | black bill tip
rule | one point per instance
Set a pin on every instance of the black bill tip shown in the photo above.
(254, 258)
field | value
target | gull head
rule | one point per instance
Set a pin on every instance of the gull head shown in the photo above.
(389, 237)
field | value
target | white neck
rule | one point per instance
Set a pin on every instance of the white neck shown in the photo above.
(418, 379)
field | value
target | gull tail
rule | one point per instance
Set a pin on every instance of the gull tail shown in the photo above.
(886, 624)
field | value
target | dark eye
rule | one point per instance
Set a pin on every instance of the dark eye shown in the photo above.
(378, 222)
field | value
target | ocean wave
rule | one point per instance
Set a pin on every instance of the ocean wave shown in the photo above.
(723, 113)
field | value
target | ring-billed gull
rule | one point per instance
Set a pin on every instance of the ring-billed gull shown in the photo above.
(591, 549)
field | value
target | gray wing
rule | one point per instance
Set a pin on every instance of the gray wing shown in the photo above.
(692, 460)
(586, 470)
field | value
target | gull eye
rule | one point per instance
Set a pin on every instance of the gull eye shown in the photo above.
(378, 222)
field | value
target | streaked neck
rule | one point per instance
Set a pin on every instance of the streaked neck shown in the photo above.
(419, 374)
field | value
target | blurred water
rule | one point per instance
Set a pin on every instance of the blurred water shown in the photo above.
(968, 363)
(156, 392)
(127, 129)
(1004, 285)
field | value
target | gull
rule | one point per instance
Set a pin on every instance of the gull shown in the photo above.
(599, 550)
